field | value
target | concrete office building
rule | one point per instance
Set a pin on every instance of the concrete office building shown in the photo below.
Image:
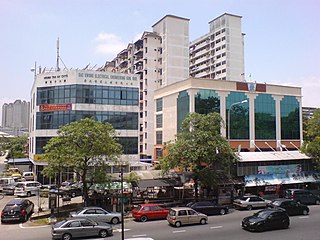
(60, 97)
(219, 54)
(160, 58)
(15, 117)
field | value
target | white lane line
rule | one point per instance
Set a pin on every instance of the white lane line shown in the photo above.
(142, 235)
(215, 227)
(120, 230)
(40, 226)
(179, 231)
(304, 217)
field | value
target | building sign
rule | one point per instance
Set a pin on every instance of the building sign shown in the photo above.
(294, 168)
(251, 87)
(55, 107)
(39, 157)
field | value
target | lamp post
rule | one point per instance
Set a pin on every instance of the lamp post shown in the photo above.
(229, 110)
(122, 210)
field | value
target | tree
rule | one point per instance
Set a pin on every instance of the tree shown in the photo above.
(311, 145)
(87, 147)
(200, 148)
(17, 146)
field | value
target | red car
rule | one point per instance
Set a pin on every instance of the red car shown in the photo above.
(144, 212)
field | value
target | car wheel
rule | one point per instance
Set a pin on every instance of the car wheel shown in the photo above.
(203, 221)
(103, 233)
(260, 228)
(144, 218)
(285, 225)
(115, 220)
(318, 202)
(305, 212)
(178, 224)
(222, 211)
(28, 194)
(249, 207)
(66, 236)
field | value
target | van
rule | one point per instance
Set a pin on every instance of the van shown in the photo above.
(302, 196)
(27, 188)
(6, 181)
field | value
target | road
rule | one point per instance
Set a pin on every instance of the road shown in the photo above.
(219, 228)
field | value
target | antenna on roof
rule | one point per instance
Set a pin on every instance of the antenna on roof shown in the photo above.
(58, 57)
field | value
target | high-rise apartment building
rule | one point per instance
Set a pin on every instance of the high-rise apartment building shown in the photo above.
(160, 58)
(15, 116)
(220, 53)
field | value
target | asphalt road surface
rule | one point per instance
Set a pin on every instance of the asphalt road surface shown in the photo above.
(225, 227)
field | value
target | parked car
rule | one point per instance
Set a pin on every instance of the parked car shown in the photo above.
(14, 172)
(17, 210)
(27, 188)
(302, 196)
(45, 189)
(9, 189)
(249, 202)
(28, 176)
(208, 208)
(291, 206)
(5, 181)
(72, 190)
(82, 227)
(97, 214)
(148, 211)
(184, 215)
(266, 219)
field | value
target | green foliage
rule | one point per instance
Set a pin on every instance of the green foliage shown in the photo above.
(86, 147)
(17, 146)
(311, 145)
(199, 146)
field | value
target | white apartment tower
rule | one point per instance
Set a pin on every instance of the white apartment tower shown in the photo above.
(16, 115)
(160, 58)
(220, 53)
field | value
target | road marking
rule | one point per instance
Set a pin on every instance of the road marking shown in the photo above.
(120, 230)
(304, 217)
(40, 226)
(179, 231)
(142, 235)
(215, 227)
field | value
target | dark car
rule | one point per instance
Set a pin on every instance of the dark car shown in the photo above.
(80, 228)
(291, 206)
(302, 196)
(208, 208)
(266, 219)
(72, 190)
(17, 210)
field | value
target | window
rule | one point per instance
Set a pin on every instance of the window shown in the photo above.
(182, 213)
(158, 137)
(159, 121)
(159, 105)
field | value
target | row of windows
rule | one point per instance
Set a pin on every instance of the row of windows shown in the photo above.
(55, 119)
(88, 94)
(129, 144)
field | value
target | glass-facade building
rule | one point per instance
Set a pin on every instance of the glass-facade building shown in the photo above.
(256, 117)
(61, 97)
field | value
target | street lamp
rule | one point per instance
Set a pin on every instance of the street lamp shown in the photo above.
(229, 110)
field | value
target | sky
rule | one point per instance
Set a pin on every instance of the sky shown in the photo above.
(282, 37)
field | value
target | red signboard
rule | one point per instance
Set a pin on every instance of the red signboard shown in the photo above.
(55, 107)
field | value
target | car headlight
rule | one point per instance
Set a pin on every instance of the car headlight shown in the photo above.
(252, 223)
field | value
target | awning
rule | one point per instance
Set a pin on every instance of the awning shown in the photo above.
(281, 178)
(20, 161)
(151, 183)
(271, 156)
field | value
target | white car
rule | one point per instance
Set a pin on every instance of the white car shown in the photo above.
(98, 214)
(250, 202)
(27, 188)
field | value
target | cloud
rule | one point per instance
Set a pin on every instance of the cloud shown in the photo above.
(109, 44)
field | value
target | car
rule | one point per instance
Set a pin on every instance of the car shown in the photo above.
(82, 227)
(208, 208)
(249, 202)
(9, 189)
(179, 216)
(17, 210)
(291, 206)
(266, 219)
(28, 176)
(72, 190)
(149, 211)
(97, 214)
(27, 188)
(14, 172)
(302, 196)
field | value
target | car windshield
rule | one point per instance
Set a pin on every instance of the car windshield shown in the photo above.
(243, 198)
(262, 214)
(58, 224)
(138, 207)
(13, 207)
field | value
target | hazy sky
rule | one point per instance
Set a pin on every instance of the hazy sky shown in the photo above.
(282, 42)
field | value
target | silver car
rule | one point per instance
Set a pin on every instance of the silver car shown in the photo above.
(80, 227)
(98, 214)
(250, 202)
(184, 215)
